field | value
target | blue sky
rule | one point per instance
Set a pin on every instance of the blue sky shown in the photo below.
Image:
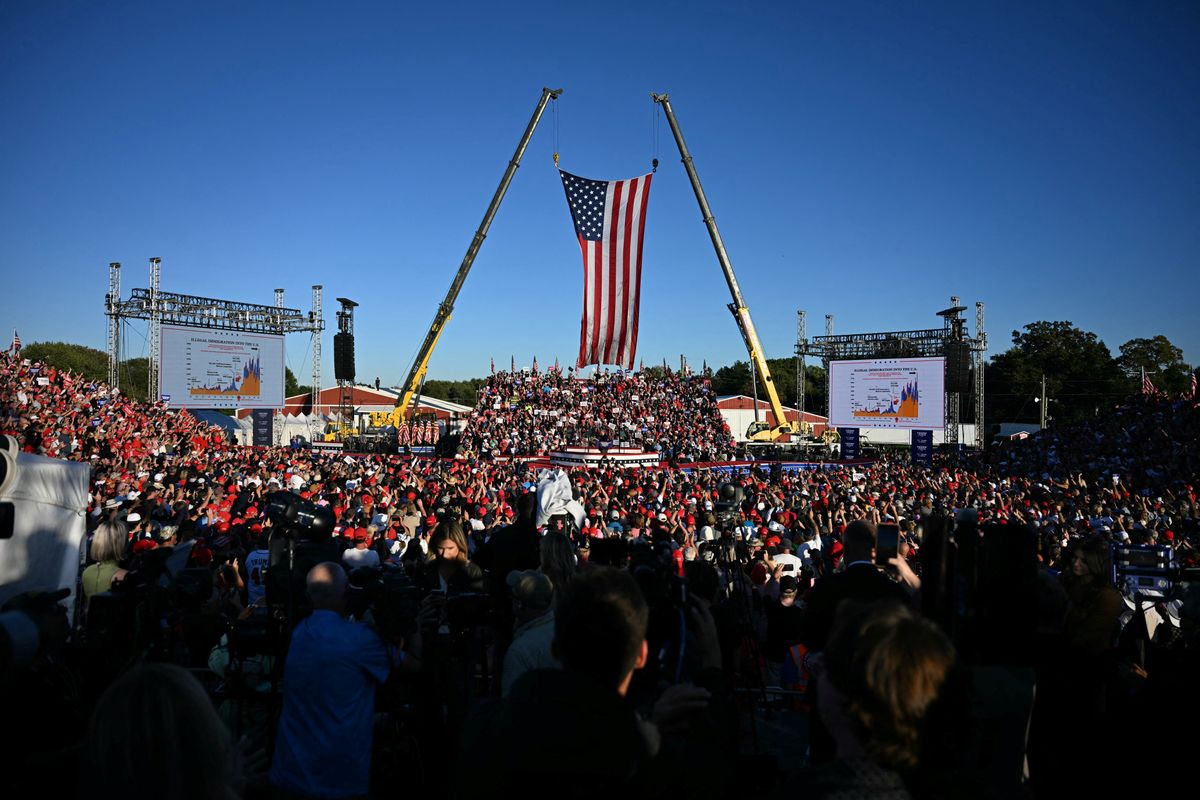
(862, 159)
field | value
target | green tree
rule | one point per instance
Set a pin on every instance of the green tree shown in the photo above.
(92, 364)
(291, 386)
(736, 379)
(733, 379)
(88, 361)
(133, 376)
(1162, 361)
(1082, 377)
(464, 392)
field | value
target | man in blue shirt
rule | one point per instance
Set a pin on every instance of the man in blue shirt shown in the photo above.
(333, 668)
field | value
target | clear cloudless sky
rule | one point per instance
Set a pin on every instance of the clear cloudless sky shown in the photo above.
(864, 159)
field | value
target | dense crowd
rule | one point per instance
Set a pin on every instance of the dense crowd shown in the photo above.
(766, 554)
(529, 413)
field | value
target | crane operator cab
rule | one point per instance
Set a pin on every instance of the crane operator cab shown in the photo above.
(758, 430)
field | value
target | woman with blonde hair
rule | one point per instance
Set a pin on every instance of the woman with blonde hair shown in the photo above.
(879, 675)
(108, 549)
(450, 569)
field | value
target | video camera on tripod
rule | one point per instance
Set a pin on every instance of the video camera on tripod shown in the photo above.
(301, 538)
(1148, 570)
(392, 599)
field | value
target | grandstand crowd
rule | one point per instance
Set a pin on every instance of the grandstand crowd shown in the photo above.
(554, 685)
(529, 413)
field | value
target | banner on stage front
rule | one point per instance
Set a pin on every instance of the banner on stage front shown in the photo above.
(848, 440)
(210, 368)
(264, 433)
(888, 393)
(922, 448)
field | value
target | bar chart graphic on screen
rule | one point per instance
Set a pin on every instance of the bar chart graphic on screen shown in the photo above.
(887, 393)
(205, 368)
(228, 370)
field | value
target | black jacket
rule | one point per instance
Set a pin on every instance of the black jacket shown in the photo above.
(859, 581)
(557, 733)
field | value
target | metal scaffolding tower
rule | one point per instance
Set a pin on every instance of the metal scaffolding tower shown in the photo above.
(158, 308)
(114, 321)
(155, 331)
(978, 348)
(952, 331)
(316, 321)
(801, 352)
(909, 344)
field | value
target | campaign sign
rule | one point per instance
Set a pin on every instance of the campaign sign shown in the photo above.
(922, 447)
(849, 441)
(263, 435)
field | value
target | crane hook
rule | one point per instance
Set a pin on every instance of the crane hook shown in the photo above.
(653, 166)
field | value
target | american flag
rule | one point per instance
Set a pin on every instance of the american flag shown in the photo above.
(1147, 386)
(16, 343)
(610, 221)
(1191, 395)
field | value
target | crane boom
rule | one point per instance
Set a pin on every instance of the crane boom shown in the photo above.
(741, 313)
(446, 308)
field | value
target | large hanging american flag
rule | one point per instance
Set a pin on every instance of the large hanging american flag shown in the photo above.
(610, 220)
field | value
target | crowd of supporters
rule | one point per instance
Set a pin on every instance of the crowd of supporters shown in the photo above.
(767, 556)
(529, 413)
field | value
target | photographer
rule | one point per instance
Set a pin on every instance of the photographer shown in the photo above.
(333, 668)
(448, 569)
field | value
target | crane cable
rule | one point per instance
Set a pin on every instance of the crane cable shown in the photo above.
(554, 114)
(654, 112)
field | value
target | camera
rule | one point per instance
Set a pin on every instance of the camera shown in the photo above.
(653, 567)
(1147, 570)
(390, 596)
(297, 518)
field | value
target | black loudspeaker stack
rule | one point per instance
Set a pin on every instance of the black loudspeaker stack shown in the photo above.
(958, 367)
(343, 356)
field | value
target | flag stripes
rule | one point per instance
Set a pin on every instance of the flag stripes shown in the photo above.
(610, 221)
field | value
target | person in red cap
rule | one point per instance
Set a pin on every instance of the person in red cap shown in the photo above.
(362, 554)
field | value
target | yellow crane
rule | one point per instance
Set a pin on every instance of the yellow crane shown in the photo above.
(420, 365)
(759, 431)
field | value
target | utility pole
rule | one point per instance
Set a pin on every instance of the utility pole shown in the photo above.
(1043, 400)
